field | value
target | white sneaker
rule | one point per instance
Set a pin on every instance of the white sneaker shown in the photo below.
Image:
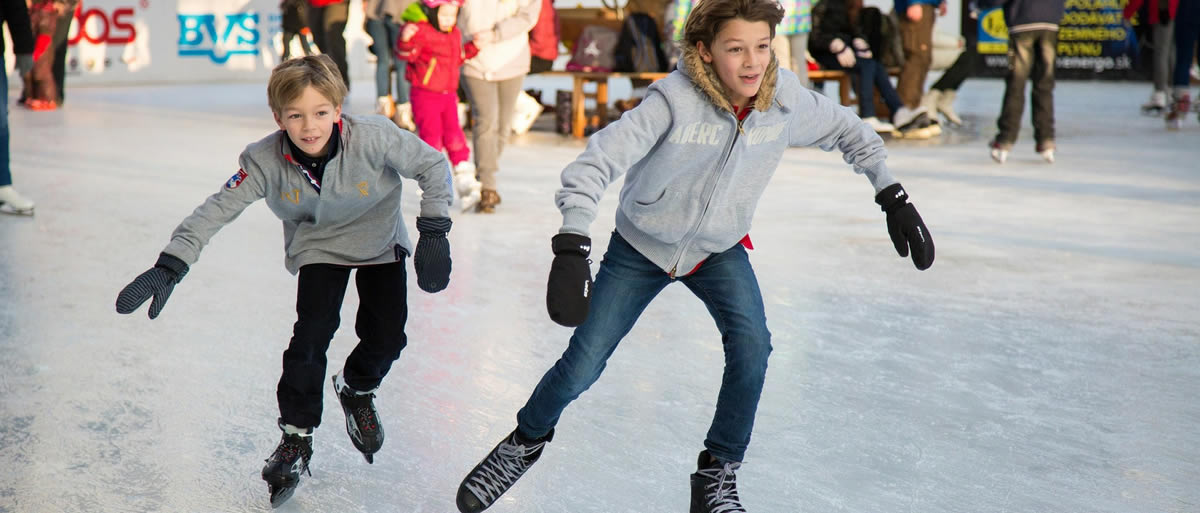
(469, 188)
(13, 203)
(525, 113)
(880, 127)
(384, 106)
(403, 117)
(904, 116)
(1047, 155)
(945, 106)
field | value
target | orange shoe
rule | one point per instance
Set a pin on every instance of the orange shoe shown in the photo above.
(35, 104)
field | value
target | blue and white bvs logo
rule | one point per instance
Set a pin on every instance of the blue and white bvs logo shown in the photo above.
(200, 35)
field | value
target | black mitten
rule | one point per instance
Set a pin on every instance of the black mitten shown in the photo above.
(158, 282)
(433, 254)
(905, 226)
(569, 290)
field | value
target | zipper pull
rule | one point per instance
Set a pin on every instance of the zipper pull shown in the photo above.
(672, 273)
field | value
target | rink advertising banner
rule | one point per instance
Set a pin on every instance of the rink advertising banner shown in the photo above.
(155, 41)
(1094, 41)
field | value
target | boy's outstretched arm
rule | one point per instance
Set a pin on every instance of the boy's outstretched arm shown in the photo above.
(243, 188)
(828, 125)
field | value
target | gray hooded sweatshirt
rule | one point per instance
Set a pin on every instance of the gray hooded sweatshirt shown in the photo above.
(354, 219)
(695, 173)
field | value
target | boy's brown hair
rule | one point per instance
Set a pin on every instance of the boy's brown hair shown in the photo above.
(291, 77)
(707, 18)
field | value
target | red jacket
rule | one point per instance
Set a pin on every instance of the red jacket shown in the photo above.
(324, 3)
(434, 57)
(543, 39)
(1132, 7)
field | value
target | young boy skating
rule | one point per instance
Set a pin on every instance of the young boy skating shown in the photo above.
(335, 182)
(697, 154)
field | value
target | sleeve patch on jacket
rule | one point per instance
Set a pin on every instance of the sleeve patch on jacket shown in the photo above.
(236, 179)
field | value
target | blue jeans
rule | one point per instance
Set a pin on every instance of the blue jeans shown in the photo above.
(625, 284)
(384, 33)
(1187, 31)
(5, 170)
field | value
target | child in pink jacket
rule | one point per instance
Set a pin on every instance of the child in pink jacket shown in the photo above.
(435, 53)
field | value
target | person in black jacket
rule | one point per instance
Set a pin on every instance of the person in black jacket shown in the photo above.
(16, 14)
(1032, 49)
(836, 42)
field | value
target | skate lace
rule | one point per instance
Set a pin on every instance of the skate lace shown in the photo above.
(289, 451)
(722, 493)
(364, 414)
(501, 470)
(365, 418)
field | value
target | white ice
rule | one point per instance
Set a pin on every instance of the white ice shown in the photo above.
(1048, 362)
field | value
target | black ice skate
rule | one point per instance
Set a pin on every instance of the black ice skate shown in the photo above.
(714, 487)
(362, 420)
(283, 468)
(498, 471)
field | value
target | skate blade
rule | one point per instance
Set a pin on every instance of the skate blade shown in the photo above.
(281, 493)
(370, 458)
(5, 209)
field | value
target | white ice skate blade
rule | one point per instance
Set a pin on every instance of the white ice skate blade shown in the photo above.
(24, 212)
(1000, 156)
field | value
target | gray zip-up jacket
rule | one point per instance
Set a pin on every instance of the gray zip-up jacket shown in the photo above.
(354, 219)
(695, 173)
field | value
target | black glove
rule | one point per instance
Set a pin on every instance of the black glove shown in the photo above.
(905, 226)
(159, 281)
(569, 290)
(433, 254)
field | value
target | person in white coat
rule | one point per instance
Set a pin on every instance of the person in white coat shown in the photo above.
(500, 29)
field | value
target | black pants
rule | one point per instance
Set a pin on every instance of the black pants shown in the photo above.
(538, 65)
(963, 67)
(382, 312)
(327, 25)
(1030, 57)
(58, 43)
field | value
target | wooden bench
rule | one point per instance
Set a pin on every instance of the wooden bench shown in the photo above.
(843, 80)
(600, 79)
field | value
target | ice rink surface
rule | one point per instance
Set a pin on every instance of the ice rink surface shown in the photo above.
(1048, 362)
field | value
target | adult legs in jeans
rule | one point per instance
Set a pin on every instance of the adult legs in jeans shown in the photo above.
(1043, 88)
(327, 25)
(5, 165)
(383, 32)
(1187, 31)
(625, 284)
(871, 76)
(493, 104)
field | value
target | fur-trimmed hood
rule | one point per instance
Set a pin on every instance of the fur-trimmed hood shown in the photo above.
(707, 81)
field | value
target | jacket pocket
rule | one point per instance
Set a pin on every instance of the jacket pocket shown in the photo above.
(666, 217)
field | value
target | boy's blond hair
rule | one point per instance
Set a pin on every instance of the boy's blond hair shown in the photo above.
(291, 77)
(707, 18)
